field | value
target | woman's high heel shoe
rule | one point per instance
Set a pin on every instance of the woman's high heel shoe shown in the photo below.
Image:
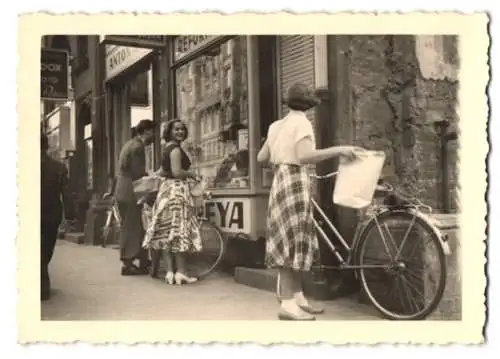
(169, 278)
(181, 278)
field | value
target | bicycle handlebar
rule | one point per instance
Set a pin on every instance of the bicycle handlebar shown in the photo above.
(328, 175)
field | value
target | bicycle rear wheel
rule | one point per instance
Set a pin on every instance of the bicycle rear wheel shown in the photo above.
(400, 288)
(202, 264)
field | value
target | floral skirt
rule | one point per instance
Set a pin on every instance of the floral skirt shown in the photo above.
(173, 225)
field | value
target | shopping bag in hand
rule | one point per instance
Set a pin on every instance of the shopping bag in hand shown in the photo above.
(356, 180)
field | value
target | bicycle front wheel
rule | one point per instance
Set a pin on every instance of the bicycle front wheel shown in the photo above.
(403, 266)
(202, 264)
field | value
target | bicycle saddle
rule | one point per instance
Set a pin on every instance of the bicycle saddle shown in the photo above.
(393, 200)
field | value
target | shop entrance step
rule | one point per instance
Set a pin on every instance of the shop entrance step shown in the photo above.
(75, 237)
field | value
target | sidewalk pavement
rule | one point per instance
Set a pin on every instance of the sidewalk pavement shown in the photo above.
(88, 286)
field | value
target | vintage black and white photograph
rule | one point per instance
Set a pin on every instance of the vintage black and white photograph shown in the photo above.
(241, 177)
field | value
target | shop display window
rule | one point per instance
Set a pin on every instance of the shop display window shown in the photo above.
(212, 99)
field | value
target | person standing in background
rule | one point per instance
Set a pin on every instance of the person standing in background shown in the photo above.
(55, 198)
(131, 167)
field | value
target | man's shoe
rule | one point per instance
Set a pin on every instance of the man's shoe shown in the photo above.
(133, 270)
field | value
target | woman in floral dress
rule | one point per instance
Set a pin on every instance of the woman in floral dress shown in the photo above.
(173, 228)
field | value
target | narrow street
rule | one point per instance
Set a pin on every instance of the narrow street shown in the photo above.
(88, 286)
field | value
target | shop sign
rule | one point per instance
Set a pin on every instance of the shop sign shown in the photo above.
(143, 41)
(54, 75)
(186, 44)
(231, 215)
(119, 58)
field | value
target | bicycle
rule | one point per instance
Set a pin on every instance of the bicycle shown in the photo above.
(402, 210)
(200, 264)
(113, 219)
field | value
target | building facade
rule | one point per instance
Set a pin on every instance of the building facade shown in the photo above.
(379, 92)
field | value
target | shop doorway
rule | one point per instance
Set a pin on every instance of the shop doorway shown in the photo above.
(140, 100)
(130, 101)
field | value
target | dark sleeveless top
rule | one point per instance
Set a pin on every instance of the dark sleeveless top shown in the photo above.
(166, 163)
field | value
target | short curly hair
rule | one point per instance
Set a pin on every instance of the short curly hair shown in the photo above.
(167, 132)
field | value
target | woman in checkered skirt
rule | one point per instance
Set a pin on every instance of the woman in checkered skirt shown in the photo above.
(291, 241)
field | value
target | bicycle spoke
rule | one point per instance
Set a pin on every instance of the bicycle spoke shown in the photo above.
(415, 289)
(376, 260)
(405, 238)
(423, 275)
(387, 250)
(411, 298)
(392, 241)
(411, 273)
(415, 246)
(402, 301)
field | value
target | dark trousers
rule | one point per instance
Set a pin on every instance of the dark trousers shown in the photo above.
(131, 234)
(49, 231)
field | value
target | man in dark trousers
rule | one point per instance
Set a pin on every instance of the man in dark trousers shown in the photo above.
(55, 198)
(131, 167)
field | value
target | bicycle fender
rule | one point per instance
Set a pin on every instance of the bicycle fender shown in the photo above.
(443, 237)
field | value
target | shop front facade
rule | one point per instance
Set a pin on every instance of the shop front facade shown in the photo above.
(228, 90)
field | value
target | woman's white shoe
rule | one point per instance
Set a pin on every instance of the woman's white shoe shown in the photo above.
(169, 278)
(181, 278)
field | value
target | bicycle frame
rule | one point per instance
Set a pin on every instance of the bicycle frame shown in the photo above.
(347, 264)
(112, 214)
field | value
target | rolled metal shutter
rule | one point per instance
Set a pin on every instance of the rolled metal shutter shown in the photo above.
(296, 55)
(297, 65)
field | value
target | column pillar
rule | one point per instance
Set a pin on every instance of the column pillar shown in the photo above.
(253, 111)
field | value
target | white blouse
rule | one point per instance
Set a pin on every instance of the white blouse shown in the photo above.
(284, 134)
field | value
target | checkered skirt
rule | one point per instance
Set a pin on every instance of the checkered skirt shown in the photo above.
(291, 240)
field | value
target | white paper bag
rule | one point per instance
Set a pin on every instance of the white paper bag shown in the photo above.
(357, 180)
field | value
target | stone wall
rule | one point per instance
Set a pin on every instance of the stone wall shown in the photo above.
(391, 105)
(394, 102)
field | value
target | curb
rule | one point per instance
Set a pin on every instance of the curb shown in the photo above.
(78, 237)
(264, 279)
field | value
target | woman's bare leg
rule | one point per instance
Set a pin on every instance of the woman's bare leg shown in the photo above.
(290, 284)
(168, 259)
(181, 274)
(299, 297)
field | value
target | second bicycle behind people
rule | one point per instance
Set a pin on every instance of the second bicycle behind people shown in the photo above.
(173, 228)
